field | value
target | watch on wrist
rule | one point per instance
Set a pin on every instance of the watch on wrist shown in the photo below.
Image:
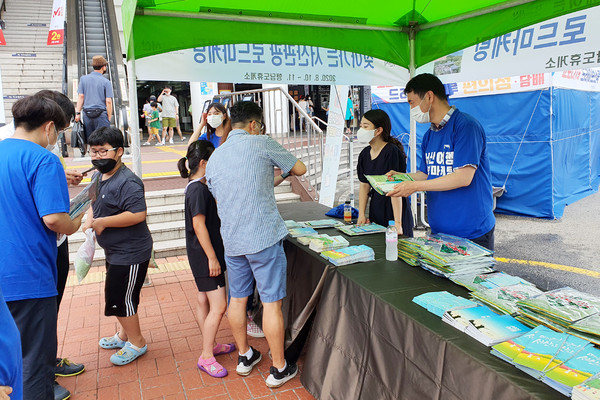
(285, 175)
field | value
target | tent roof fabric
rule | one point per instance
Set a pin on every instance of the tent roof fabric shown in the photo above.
(379, 29)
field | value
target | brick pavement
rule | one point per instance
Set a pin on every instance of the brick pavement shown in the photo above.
(168, 370)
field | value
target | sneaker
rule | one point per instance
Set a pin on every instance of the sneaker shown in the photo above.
(160, 144)
(146, 144)
(245, 365)
(171, 141)
(183, 139)
(254, 330)
(277, 379)
(64, 367)
(113, 342)
(60, 393)
(127, 354)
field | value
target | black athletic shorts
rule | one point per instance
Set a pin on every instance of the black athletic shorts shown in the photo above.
(122, 288)
(210, 283)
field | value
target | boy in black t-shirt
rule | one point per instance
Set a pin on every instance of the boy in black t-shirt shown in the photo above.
(118, 217)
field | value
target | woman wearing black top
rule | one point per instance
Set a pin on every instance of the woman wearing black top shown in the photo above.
(384, 153)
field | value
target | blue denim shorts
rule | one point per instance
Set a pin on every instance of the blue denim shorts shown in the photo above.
(268, 267)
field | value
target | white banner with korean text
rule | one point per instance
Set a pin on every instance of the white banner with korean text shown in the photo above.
(333, 143)
(270, 64)
(568, 42)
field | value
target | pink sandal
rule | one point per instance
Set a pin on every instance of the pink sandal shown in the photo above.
(223, 349)
(212, 367)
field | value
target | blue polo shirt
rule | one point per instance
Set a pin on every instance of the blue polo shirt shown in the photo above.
(465, 212)
(240, 176)
(33, 185)
(95, 89)
(11, 364)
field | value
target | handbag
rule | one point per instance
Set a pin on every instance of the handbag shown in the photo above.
(78, 137)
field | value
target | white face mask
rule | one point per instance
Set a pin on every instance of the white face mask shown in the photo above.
(364, 135)
(418, 115)
(214, 120)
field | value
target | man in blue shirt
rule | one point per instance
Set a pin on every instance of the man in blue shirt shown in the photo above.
(454, 168)
(34, 206)
(240, 175)
(95, 97)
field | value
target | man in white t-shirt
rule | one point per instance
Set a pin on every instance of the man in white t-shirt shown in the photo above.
(170, 113)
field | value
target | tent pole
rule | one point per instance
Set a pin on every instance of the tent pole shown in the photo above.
(134, 128)
(412, 141)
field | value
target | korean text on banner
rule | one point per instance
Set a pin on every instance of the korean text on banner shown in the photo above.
(56, 34)
(333, 143)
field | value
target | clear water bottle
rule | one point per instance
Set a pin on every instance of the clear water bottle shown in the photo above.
(391, 242)
(347, 212)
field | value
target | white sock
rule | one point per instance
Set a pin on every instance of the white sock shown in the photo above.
(248, 354)
(133, 346)
(284, 367)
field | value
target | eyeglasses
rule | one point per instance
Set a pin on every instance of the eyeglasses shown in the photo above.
(101, 152)
(262, 126)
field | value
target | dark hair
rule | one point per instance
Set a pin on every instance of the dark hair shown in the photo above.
(244, 112)
(196, 152)
(31, 112)
(209, 129)
(62, 100)
(154, 104)
(380, 119)
(423, 83)
(98, 67)
(106, 134)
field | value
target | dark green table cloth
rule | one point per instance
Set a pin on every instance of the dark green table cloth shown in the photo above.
(370, 341)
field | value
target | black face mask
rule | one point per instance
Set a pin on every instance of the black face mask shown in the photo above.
(104, 165)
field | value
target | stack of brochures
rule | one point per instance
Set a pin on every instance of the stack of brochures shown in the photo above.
(298, 232)
(484, 325)
(305, 240)
(440, 302)
(478, 282)
(560, 309)
(504, 299)
(326, 242)
(587, 328)
(349, 255)
(323, 223)
(366, 229)
(560, 360)
(293, 224)
(382, 184)
(408, 250)
(588, 390)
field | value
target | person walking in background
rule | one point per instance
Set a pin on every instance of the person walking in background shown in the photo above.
(206, 255)
(147, 115)
(118, 217)
(170, 113)
(34, 206)
(349, 112)
(383, 154)
(454, 169)
(154, 124)
(253, 240)
(95, 97)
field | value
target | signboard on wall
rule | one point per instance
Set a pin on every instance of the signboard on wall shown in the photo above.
(56, 34)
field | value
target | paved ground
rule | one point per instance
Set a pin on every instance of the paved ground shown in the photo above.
(168, 370)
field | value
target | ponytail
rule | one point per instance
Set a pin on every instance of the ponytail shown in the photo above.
(183, 171)
(197, 151)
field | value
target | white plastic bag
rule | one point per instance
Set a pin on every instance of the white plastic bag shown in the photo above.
(85, 255)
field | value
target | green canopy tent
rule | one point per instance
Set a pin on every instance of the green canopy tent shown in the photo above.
(406, 33)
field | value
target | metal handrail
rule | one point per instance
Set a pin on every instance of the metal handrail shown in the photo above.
(112, 66)
(280, 123)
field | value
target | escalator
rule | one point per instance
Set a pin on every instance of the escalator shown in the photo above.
(92, 30)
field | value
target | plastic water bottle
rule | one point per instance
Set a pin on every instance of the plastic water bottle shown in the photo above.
(391, 242)
(347, 212)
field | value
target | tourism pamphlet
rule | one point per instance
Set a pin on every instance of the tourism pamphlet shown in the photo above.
(440, 302)
(366, 229)
(589, 325)
(505, 298)
(509, 349)
(323, 223)
(570, 348)
(462, 318)
(478, 282)
(574, 371)
(382, 184)
(80, 203)
(297, 232)
(563, 306)
(326, 242)
(495, 329)
(305, 240)
(539, 352)
(588, 390)
(349, 255)
(293, 224)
